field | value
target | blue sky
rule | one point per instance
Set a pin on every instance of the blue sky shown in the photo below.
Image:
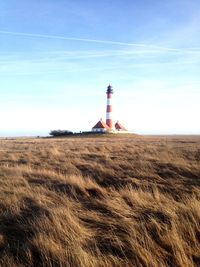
(57, 58)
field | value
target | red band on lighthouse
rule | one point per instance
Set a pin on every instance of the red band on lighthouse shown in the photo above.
(109, 120)
(109, 109)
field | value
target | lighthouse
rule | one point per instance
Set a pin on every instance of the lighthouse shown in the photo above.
(109, 127)
(109, 120)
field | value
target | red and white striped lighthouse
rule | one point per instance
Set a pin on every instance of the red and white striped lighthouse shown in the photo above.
(109, 120)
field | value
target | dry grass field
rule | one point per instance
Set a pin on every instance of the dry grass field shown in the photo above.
(100, 201)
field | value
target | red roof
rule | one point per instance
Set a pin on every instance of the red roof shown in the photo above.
(101, 125)
(119, 127)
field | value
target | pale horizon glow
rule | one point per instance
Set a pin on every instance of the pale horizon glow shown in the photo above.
(57, 58)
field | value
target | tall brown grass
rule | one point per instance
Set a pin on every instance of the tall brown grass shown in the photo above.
(112, 201)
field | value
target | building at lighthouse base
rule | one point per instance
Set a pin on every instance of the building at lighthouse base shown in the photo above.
(102, 127)
(120, 128)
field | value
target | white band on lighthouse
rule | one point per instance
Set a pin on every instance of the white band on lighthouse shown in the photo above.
(109, 101)
(108, 115)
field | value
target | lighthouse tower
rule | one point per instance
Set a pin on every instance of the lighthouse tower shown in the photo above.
(109, 127)
(109, 120)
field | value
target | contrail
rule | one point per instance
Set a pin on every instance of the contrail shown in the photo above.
(90, 40)
(161, 48)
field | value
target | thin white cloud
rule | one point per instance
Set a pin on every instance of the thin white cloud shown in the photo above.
(48, 67)
(100, 41)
